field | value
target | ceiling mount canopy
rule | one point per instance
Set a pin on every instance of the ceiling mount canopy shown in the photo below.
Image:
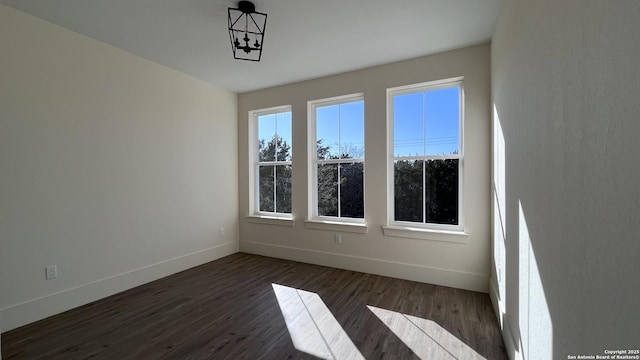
(246, 31)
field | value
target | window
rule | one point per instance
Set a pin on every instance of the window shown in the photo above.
(271, 161)
(336, 143)
(425, 155)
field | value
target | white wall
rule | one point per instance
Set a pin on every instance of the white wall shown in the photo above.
(463, 265)
(115, 169)
(565, 87)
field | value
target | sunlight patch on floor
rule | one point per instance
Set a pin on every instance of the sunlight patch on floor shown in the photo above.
(425, 338)
(312, 327)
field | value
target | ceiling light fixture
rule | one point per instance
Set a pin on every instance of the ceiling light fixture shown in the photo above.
(246, 31)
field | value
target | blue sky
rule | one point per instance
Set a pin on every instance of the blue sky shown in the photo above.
(348, 118)
(427, 118)
(270, 125)
(425, 123)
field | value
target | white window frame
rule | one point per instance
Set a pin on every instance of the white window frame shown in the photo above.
(420, 230)
(329, 222)
(255, 215)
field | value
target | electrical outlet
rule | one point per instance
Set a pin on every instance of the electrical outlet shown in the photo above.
(337, 238)
(221, 232)
(51, 272)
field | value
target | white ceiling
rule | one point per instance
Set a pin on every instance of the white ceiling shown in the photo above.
(304, 39)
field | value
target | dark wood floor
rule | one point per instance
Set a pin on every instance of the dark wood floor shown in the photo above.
(226, 309)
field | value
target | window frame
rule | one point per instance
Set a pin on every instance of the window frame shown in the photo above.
(331, 222)
(410, 229)
(255, 163)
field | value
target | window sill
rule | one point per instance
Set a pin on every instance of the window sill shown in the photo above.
(426, 234)
(360, 228)
(270, 220)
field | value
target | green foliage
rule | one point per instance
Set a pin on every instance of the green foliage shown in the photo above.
(322, 151)
(352, 189)
(275, 180)
(439, 199)
(442, 191)
(441, 180)
(408, 190)
(328, 190)
(348, 177)
(267, 151)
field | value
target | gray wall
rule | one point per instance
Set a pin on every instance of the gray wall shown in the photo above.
(565, 89)
(116, 169)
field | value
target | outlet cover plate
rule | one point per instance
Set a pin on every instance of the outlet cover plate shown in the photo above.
(51, 272)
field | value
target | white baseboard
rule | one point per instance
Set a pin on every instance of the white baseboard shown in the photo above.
(414, 272)
(494, 295)
(513, 349)
(508, 337)
(36, 309)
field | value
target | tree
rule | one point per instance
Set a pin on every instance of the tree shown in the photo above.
(327, 176)
(275, 180)
(352, 189)
(347, 177)
(442, 191)
(267, 151)
(408, 188)
(440, 198)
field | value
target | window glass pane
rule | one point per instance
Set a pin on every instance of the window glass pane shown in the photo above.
(328, 189)
(408, 186)
(408, 125)
(283, 129)
(340, 135)
(352, 130)
(322, 151)
(267, 137)
(266, 176)
(283, 189)
(442, 121)
(327, 131)
(352, 190)
(442, 191)
(273, 136)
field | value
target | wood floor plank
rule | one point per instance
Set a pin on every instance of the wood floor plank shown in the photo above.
(227, 309)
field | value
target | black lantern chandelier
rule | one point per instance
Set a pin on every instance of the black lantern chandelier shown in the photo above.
(246, 31)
